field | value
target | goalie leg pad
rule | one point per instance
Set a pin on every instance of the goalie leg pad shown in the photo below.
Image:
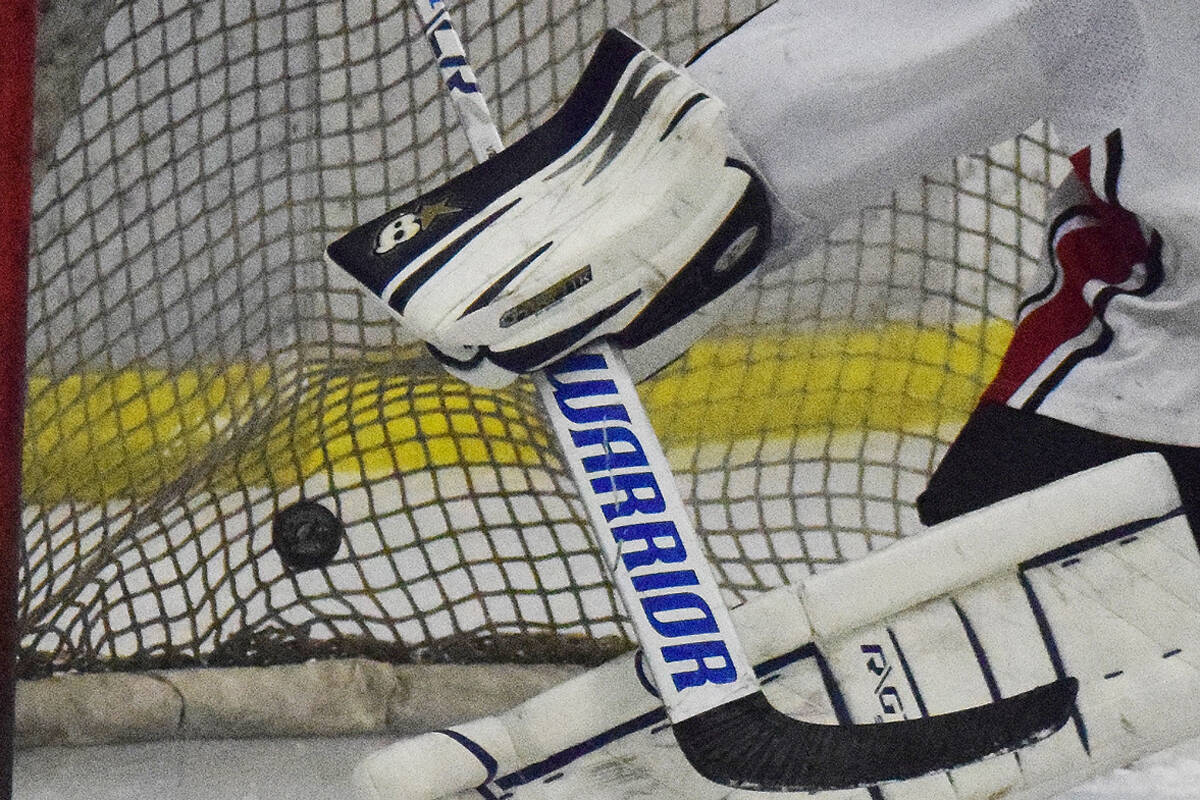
(1095, 577)
(625, 215)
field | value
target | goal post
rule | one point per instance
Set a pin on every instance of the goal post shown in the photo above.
(17, 36)
(194, 368)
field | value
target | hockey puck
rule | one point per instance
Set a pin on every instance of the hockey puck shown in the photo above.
(306, 535)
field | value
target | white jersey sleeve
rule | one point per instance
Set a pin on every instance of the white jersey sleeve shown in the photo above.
(838, 101)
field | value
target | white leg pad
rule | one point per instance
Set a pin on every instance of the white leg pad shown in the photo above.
(1096, 577)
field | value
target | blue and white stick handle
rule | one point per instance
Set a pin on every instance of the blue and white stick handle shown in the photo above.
(645, 533)
(460, 79)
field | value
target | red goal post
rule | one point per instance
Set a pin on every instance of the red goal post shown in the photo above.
(17, 36)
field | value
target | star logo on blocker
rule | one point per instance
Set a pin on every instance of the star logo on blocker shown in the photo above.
(408, 225)
(429, 213)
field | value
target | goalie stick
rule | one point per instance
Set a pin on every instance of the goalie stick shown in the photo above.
(723, 723)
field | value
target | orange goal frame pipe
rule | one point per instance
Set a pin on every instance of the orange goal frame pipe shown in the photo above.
(18, 23)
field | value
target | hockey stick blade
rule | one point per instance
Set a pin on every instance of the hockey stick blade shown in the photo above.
(748, 744)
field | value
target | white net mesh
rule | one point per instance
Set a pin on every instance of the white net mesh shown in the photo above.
(194, 368)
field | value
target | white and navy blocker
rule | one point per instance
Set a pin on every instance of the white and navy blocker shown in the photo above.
(625, 216)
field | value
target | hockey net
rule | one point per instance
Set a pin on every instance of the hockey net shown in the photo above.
(194, 367)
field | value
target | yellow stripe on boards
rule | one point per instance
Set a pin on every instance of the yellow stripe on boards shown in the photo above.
(378, 427)
(896, 377)
(102, 435)
(131, 433)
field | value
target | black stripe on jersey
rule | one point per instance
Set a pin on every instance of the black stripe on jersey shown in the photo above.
(1114, 154)
(1154, 278)
(492, 291)
(691, 103)
(409, 286)
(1074, 212)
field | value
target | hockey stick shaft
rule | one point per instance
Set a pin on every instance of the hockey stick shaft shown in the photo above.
(722, 721)
(460, 80)
(645, 534)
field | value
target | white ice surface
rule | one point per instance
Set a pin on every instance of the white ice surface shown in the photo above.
(319, 769)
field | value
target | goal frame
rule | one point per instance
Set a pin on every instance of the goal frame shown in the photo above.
(18, 21)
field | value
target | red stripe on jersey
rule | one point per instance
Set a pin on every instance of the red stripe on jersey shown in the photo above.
(1105, 248)
(1081, 165)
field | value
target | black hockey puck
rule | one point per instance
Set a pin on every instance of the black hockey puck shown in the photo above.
(306, 535)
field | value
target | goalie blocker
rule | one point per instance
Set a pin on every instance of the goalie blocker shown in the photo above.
(1095, 577)
(623, 216)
